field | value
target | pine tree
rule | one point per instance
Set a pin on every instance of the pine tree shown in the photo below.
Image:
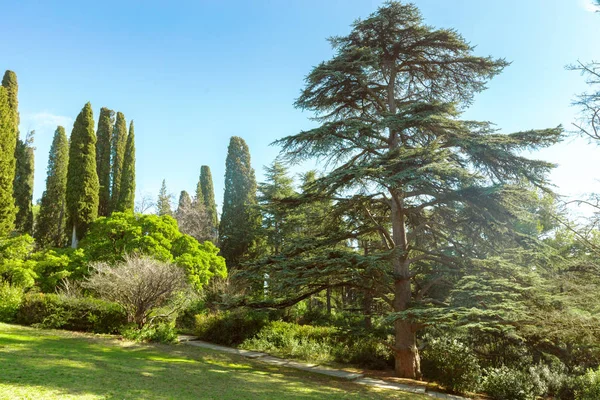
(106, 123)
(127, 188)
(208, 196)
(50, 227)
(434, 188)
(163, 204)
(82, 179)
(119, 142)
(240, 220)
(8, 143)
(23, 184)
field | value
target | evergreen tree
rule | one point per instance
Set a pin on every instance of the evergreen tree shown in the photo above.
(50, 227)
(23, 184)
(185, 203)
(127, 188)
(82, 179)
(163, 205)
(275, 212)
(106, 123)
(208, 195)
(193, 219)
(119, 142)
(437, 190)
(240, 220)
(199, 197)
(8, 142)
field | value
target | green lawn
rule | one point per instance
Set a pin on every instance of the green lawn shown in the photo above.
(50, 364)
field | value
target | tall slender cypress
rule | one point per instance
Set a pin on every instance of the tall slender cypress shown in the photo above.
(106, 123)
(199, 198)
(163, 205)
(126, 201)
(208, 195)
(50, 227)
(23, 184)
(82, 179)
(8, 142)
(119, 142)
(240, 219)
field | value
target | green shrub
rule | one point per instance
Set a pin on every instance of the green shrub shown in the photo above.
(230, 328)
(366, 351)
(186, 319)
(588, 385)
(552, 380)
(85, 314)
(451, 363)
(253, 330)
(506, 383)
(306, 342)
(162, 333)
(10, 300)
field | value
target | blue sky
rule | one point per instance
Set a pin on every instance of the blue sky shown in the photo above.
(193, 74)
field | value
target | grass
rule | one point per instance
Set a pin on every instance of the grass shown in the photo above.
(51, 364)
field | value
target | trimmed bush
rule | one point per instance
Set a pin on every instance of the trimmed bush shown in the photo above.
(451, 363)
(84, 314)
(10, 301)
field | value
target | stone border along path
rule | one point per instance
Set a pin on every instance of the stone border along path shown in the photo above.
(318, 369)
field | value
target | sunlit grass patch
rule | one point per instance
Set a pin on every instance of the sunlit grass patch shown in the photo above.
(42, 364)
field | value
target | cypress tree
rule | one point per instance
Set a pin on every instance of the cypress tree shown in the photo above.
(50, 227)
(82, 179)
(199, 198)
(240, 219)
(106, 123)
(126, 201)
(23, 184)
(8, 142)
(119, 142)
(185, 203)
(163, 205)
(208, 195)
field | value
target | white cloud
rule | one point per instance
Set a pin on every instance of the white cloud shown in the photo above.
(589, 5)
(45, 120)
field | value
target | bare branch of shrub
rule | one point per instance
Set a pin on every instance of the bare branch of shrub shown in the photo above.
(139, 283)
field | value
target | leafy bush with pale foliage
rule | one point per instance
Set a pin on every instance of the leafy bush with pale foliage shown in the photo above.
(141, 285)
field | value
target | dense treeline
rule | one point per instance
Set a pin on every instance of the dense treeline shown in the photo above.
(424, 242)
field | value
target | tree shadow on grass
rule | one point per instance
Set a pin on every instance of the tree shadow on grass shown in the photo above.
(40, 365)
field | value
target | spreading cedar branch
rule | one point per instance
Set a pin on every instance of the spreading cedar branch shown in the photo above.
(400, 163)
